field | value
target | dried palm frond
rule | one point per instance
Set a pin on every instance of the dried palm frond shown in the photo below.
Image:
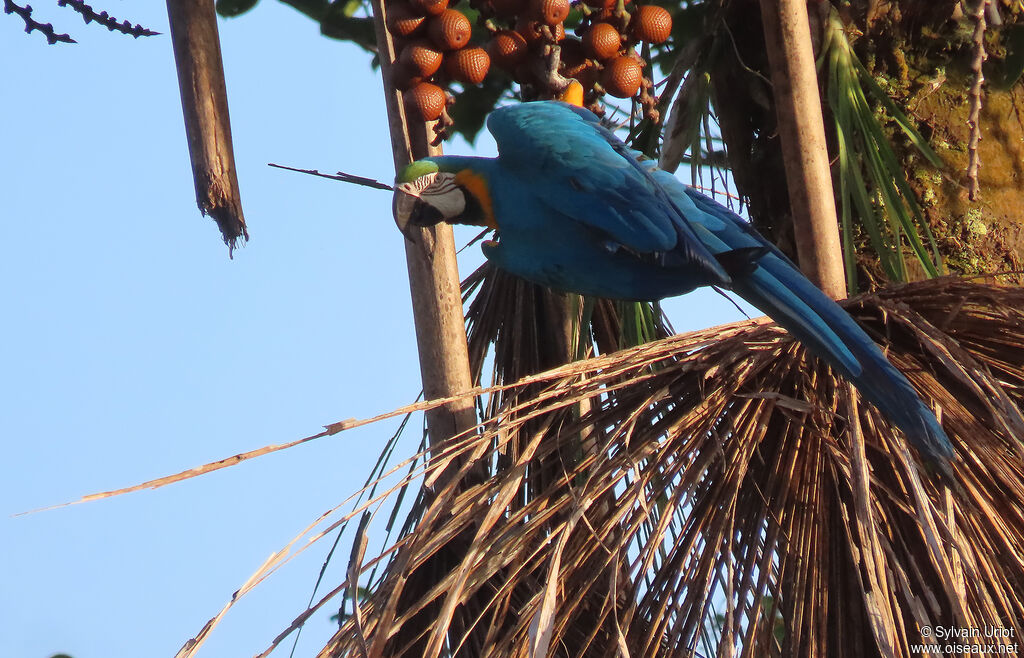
(731, 472)
(542, 329)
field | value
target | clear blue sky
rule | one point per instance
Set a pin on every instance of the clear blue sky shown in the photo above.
(131, 347)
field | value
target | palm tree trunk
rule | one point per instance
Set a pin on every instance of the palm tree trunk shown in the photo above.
(443, 353)
(804, 151)
(433, 273)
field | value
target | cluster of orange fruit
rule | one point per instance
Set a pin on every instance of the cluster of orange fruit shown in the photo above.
(433, 43)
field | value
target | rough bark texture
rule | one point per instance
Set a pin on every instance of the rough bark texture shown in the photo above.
(204, 101)
(920, 53)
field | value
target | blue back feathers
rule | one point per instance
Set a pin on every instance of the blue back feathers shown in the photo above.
(578, 211)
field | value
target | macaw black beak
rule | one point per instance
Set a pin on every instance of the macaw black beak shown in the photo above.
(412, 212)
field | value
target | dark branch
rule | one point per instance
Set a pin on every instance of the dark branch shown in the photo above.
(342, 176)
(89, 15)
(31, 24)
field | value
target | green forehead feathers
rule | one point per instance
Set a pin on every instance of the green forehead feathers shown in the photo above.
(415, 170)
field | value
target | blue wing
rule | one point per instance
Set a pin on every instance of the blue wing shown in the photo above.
(577, 169)
(580, 170)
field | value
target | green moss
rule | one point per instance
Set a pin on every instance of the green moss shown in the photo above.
(973, 223)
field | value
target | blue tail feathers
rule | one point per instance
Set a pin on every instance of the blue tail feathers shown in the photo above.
(778, 288)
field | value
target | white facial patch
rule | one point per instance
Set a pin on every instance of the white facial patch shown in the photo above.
(416, 187)
(439, 190)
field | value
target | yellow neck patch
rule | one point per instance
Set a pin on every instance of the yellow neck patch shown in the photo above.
(476, 185)
(573, 93)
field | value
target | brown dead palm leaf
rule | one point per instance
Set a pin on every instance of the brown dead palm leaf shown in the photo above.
(526, 329)
(514, 318)
(739, 500)
(537, 331)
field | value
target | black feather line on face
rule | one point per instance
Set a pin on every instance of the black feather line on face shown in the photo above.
(473, 215)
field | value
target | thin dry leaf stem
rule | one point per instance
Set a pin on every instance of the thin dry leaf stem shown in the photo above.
(301, 619)
(354, 569)
(940, 560)
(876, 595)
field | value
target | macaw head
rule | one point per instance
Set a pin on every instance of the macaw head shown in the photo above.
(425, 195)
(443, 189)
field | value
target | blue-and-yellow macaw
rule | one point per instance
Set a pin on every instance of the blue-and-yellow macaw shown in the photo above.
(576, 210)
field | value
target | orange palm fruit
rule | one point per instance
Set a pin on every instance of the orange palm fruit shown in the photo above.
(422, 57)
(622, 76)
(427, 99)
(469, 65)
(449, 30)
(651, 23)
(602, 41)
